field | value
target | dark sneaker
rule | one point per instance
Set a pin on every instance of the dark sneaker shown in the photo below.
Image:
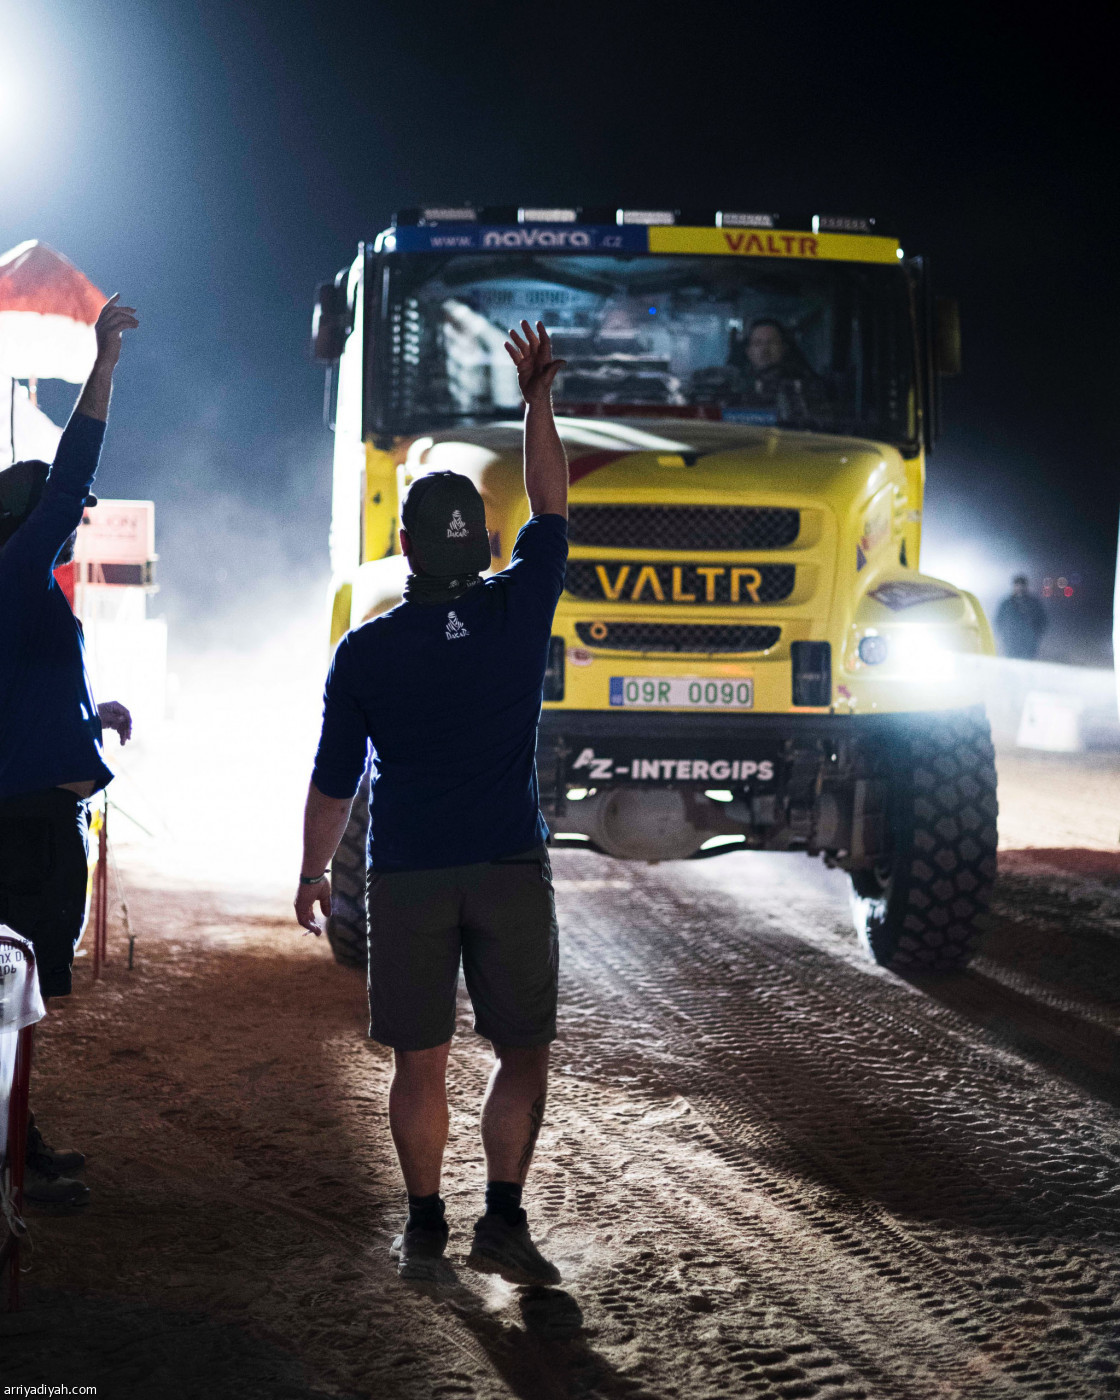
(51, 1159)
(51, 1190)
(505, 1249)
(418, 1253)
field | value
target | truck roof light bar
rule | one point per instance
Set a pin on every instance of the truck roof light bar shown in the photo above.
(588, 214)
(646, 216)
(729, 220)
(547, 216)
(449, 215)
(842, 223)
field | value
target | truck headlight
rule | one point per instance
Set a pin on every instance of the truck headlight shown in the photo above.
(921, 654)
(873, 649)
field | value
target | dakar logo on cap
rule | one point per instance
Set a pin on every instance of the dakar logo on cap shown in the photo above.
(455, 629)
(457, 527)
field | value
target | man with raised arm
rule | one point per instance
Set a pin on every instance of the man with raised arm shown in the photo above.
(447, 688)
(51, 761)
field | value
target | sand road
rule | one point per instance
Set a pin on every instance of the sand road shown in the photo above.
(769, 1168)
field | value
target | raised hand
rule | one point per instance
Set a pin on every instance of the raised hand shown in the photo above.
(531, 352)
(113, 319)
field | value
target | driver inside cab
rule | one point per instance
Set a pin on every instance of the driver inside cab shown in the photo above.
(775, 373)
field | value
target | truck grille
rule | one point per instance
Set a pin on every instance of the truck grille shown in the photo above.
(683, 527)
(673, 636)
(769, 583)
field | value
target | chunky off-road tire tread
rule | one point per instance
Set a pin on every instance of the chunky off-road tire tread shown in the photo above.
(346, 927)
(944, 813)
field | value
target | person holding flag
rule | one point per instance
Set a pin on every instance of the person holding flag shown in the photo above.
(51, 759)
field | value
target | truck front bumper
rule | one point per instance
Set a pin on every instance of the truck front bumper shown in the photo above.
(583, 748)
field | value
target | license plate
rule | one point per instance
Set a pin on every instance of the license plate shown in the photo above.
(681, 692)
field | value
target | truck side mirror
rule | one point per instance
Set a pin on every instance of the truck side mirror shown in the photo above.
(947, 335)
(330, 323)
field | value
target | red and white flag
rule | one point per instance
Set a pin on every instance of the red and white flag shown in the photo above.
(47, 311)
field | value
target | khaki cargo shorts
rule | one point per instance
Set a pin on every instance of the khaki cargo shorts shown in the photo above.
(498, 918)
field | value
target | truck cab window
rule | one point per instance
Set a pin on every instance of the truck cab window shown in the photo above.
(820, 348)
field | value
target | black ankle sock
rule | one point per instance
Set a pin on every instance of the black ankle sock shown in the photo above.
(504, 1198)
(425, 1212)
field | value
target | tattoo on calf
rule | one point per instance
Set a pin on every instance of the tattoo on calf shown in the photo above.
(536, 1118)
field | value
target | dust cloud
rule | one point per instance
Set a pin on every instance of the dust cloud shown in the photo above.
(979, 540)
(214, 795)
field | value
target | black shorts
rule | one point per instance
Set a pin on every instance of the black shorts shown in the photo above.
(44, 841)
(499, 918)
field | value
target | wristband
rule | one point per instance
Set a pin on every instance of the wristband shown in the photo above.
(313, 879)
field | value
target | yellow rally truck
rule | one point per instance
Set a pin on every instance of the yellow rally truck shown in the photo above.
(746, 655)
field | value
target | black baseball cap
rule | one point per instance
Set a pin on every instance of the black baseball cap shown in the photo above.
(21, 486)
(446, 523)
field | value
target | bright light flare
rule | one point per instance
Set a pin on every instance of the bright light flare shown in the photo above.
(920, 653)
(13, 104)
(37, 95)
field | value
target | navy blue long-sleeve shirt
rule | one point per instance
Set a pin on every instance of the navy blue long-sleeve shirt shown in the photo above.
(450, 695)
(49, 729)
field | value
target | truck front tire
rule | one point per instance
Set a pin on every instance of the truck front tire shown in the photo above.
(346, 926)
(925, 907)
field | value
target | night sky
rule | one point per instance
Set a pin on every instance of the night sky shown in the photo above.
(215, 161)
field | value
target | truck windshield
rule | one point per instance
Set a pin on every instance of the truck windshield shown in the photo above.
(821, 347)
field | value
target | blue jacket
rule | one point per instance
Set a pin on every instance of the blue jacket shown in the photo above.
(49, 729)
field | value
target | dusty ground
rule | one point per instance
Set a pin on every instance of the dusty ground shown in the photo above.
(769, 1169)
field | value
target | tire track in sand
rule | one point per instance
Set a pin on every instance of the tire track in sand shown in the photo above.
(1016, 1270)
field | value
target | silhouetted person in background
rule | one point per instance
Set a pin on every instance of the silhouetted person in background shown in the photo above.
(1021, 621)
